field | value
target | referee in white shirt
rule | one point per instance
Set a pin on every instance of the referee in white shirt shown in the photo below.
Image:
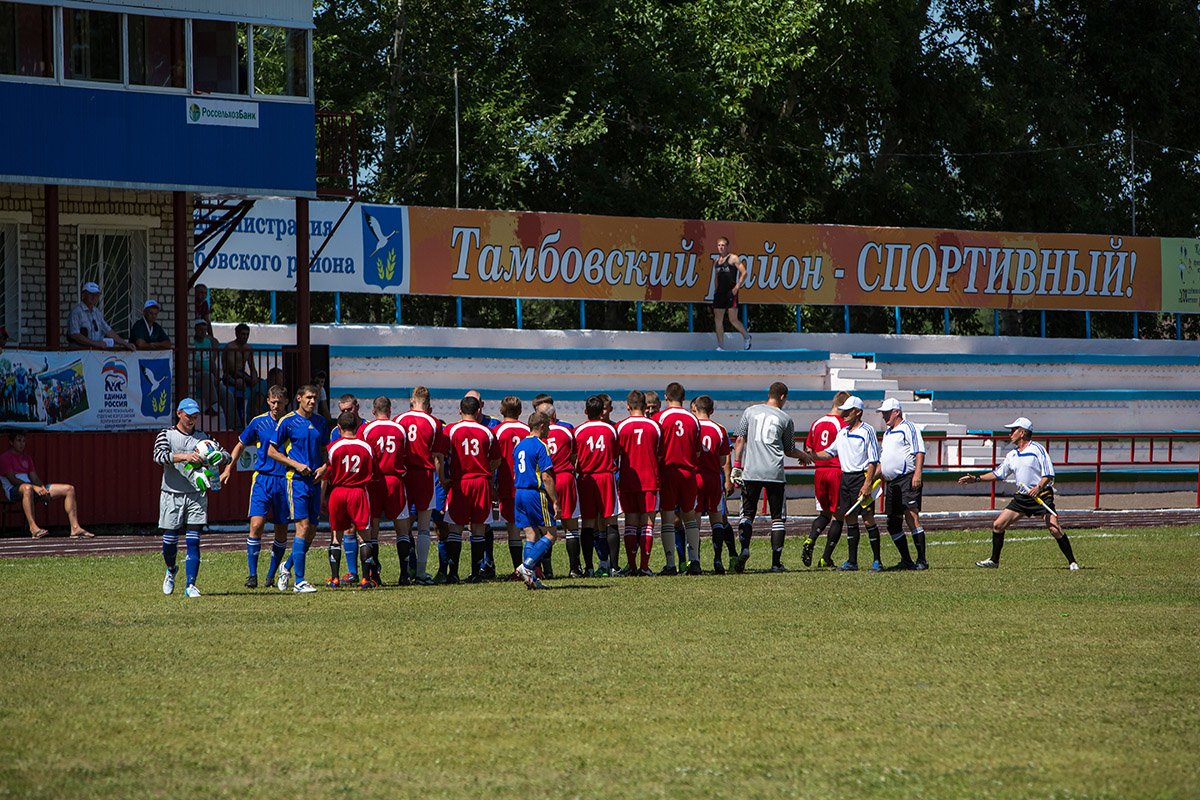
(1030, 468)
(902, 462)
(857, 448)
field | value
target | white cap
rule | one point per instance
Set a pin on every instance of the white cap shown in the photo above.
(151, 303)
(91, 287)
(851, 402)
(891, 404)
(1021, 422)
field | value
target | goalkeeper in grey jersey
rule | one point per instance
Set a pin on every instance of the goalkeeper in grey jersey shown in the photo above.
(182, 504)
(765, 435)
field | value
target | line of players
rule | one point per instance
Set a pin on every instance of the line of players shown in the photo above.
(415, 468)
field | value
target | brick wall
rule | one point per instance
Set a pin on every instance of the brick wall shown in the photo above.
(118, 205)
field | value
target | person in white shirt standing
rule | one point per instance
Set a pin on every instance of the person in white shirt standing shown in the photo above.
(1030, 467)
(857, 448)
(901, 462)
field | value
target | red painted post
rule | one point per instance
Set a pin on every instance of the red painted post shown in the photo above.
(179, 224)
(1099, 450)
(303, 344)
(53, 291)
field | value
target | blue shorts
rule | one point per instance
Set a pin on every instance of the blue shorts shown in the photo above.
(439, 502)
(14, 495)
(531, 509)
(269, 498)
(304, 500)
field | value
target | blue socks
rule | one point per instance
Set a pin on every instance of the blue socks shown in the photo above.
(253, 547)
(350, 549)
(536, 550)
(191, 563)
(170, 548)
(299, 551)
(277, 551)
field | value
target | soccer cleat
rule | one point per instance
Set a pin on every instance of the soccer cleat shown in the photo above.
(718, 568)
(825, 563)
(451, 579)
(191, 591)
(987, 563)
(281, 582)
(350, 578)
(252, 582)
(474, 577)
(778, 568)
(334, 583)
(169, 581)
(367, 583)
(749, 339)
(575, 573)
(424, 579)
(806, 553)
(671, 570)
(645, 573)
(438, 579)
(625, 572)
(848, 566)
(602, 573)
(901, 567)
(304, 587)
(876, 566)
(526, 574)
(694, 568)
(1074, 567)
(739, 566)
(589, 573)
(921, 565)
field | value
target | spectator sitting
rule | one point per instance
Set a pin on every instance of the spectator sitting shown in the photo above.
(146, 333)
(3, 335)
(21, 482)
(87, 326)
(200, 302)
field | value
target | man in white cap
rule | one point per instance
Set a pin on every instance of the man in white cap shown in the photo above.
(901, 462)
(87, 326)
(146, 333)
(1030, 468)
(857, 449)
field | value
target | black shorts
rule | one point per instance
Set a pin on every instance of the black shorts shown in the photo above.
(1026, 505)
(751, 491)
(852, 483)
(900, 496)
(724, 300)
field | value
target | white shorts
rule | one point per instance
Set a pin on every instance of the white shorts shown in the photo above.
(180, 511)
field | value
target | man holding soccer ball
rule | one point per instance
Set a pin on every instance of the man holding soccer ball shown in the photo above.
(190, 460)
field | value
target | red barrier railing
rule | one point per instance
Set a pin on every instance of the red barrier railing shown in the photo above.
(945, 451)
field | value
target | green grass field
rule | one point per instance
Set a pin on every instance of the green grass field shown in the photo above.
(1029, 682)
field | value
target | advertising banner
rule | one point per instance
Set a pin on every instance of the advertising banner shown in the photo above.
(468, 253)
(85, 390)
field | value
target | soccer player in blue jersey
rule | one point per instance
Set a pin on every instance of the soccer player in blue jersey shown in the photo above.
(299, 445)
(268, 491)
(535, 500)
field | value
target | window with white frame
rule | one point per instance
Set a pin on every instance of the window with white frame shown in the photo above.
(280, 61)
(26, 40)
(92, 45)
(10, 282)
(117, 261)
(157, 52)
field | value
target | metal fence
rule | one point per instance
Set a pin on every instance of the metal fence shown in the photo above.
(231, 385)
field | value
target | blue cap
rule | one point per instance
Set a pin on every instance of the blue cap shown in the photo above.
(188, 406)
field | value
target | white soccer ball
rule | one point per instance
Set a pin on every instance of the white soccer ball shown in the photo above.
(210, 451)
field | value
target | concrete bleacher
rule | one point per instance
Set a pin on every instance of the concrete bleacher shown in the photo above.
(947, 384)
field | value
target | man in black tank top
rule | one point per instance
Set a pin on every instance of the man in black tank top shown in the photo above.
(729, 273)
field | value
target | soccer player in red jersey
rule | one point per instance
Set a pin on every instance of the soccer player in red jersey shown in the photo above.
(638, 439)
(560, 443)
(351, 469)
(390, 443)
(680, 463)
(595, 462)
(827, 479)
(421, 429)
(612, 530)
(476, 454)
(713, 481)
(509, 434)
